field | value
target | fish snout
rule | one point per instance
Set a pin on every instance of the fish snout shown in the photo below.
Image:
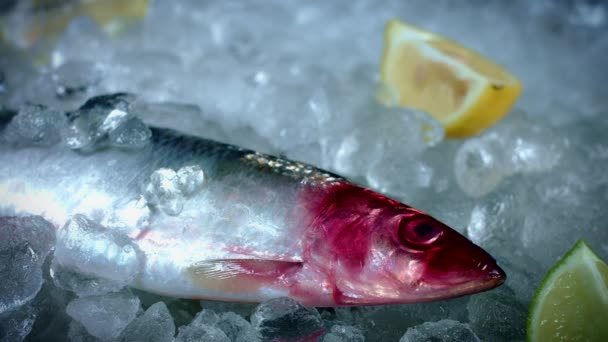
(492, 274)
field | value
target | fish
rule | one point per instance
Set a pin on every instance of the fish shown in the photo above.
(215, 221)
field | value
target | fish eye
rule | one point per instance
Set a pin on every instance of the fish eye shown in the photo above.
(419, 232)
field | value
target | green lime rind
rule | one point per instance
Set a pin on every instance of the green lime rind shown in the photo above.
(579, 247)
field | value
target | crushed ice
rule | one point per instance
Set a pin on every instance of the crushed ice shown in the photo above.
(306, 90)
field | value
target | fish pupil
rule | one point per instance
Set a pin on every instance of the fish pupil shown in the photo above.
(424, 230)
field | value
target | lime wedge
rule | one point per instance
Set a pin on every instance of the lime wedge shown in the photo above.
(571, 303)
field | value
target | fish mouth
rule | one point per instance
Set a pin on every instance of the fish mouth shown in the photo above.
(488, 277)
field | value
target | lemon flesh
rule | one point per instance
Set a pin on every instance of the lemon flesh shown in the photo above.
(464, 91)
(571, 303)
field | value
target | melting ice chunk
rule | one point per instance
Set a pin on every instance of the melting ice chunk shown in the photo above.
(155, 325)
(89, 248)
(286, 319)
(25, 243)
(481, 164)
(105, 316)
(36, 125)
(106, 119)
(190, 179)
(446, 330)
(168, 189)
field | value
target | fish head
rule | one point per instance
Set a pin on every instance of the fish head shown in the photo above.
(385, 252)
(433, 261)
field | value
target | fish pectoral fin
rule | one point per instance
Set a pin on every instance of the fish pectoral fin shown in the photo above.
(239, 275)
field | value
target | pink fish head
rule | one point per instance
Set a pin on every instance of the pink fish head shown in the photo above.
(380, 251)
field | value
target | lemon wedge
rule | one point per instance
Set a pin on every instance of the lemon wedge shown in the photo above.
(464, 91)
(571, 304)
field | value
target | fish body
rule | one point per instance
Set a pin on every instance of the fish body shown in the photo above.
(251, 227)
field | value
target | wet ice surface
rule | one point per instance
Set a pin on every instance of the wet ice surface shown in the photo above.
(299, 80)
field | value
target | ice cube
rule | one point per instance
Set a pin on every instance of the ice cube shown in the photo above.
(36, 125)
(97, 117)
(446, 330)
(481, 164)
(105, 316)
(106, 119)
(344, 333)
(132, 134)
(237, 328)
(284, 319)
(497, 316)
(155, 325)
(16, 325)
(25, 243)
(163, 190)
(89, 248)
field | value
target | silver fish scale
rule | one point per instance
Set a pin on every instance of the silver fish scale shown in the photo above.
(306, 173)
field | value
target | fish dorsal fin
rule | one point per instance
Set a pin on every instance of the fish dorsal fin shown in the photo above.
(239, 275)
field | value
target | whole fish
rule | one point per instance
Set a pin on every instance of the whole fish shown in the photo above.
(216, 221)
